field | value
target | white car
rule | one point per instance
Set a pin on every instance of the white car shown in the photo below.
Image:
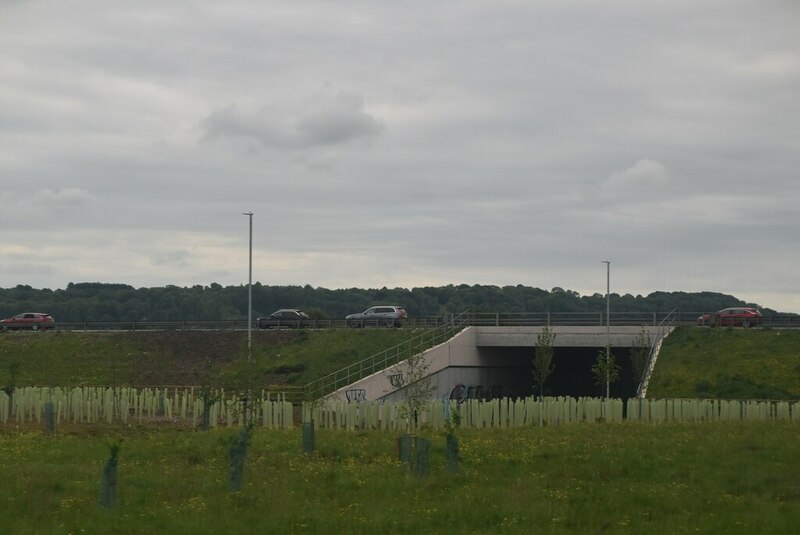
(378, 316)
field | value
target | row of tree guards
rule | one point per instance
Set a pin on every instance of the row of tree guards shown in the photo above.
(204, 409)
(534, 411)
(198, 406)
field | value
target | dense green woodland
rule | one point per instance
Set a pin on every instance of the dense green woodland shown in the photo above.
(120, 302)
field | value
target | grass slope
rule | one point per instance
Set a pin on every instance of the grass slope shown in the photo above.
(185, 357)
(728, 364)
(694, 361)
(587, 478)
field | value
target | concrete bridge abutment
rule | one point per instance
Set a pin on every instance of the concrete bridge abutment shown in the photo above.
(498, 360)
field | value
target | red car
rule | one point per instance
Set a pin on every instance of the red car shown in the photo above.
(28, 320)
(732, 317)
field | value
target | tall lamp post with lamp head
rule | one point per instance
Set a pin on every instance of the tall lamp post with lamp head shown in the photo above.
(250, 295)
(608, 325)
(246, 398)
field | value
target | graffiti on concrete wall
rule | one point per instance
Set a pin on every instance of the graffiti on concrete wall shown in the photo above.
(356, 395)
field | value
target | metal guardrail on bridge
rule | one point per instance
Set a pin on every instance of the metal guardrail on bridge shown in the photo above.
(676, 317)
(220, 325)
(506, 319)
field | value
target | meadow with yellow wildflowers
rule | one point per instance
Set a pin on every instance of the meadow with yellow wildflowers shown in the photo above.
(580, 478)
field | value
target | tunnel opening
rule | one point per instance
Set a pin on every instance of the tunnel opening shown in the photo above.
(572, 375)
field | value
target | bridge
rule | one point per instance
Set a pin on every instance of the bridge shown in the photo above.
(496, 360)
(504, 319)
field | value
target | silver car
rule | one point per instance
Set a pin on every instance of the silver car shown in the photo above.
(378, 316)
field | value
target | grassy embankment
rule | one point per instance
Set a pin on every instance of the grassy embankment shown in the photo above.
(728, 364)
(183, 358)
(694, 362)
(583, 478)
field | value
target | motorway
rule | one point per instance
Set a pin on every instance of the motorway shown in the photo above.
(477, 318)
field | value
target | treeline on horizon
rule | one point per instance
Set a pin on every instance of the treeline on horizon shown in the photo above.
(94, 301)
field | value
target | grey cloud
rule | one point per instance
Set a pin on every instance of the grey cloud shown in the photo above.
(504, 142)
(644, 173)
(178, 258)
(229, 122)
(335, 121)
(641, 182)
(44, 208)
(337, 126)
(24, 269)
(63, 196)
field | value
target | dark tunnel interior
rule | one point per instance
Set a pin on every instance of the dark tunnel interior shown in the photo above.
(572, 375)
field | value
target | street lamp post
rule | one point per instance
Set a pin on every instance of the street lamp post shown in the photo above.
(250, 295)
(608, 327)
(246, 398)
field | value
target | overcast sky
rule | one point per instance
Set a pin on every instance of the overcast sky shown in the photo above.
(403, 144)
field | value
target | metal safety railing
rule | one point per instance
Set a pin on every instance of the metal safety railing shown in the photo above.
(380, 361)
(513, 319)
(664, 328)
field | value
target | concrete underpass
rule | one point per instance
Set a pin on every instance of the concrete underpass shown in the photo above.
(497, 362)
(572, 375)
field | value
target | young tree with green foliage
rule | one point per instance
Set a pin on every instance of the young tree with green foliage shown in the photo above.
(203, 373)
(605, 370)
(543, 365)
(412, 377)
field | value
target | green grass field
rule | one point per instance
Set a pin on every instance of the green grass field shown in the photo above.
(582, 478)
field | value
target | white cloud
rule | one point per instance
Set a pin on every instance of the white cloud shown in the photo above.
(643, 174)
